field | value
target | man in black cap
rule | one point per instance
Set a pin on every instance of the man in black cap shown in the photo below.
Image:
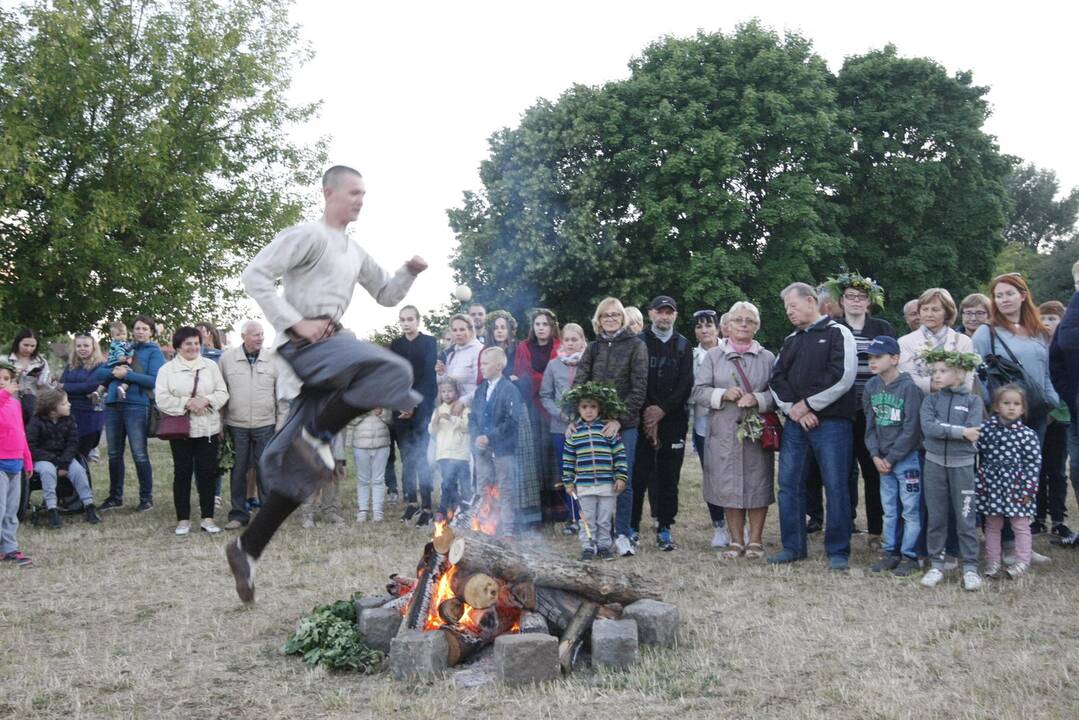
(664, 421)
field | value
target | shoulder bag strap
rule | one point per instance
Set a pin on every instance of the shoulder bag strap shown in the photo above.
(993, 346)
(737, 362)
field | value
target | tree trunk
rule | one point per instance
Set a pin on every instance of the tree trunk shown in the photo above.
(478, 553)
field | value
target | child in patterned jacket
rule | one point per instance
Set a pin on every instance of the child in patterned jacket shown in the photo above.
(1010, 459)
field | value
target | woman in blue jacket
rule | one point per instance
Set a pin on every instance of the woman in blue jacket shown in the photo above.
(129, 419)
(80, 383)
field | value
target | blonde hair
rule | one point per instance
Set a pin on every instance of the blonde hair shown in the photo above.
(946, 302)
(605, 303)
(634, 316)
(96, 356)
(463, 318)
(452, 382)
(573, 328)
(497, 353)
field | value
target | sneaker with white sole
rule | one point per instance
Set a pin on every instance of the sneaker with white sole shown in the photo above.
(972, 581)
(721, 538)
(183, 527)
(209, 526)
(992, 570)
(931, 578)
(623, 547)
(361, 516)
(1036, 558)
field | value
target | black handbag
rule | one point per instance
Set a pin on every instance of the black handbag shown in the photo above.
(997, 371)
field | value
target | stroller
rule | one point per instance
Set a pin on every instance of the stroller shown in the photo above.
(67, 500)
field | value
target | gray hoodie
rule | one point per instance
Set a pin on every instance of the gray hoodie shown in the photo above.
(945, 414)
(893, 424)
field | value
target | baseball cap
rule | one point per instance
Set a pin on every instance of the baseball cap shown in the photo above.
(883, 345)
(663, 301)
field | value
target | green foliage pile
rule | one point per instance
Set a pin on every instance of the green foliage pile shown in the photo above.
(329, 636)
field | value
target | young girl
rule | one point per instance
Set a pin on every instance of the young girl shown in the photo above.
(369, 438)
(14, 461)
(53, 438)
(1007, 486)
(451, 444)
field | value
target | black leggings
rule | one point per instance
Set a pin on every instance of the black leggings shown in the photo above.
(274, 512)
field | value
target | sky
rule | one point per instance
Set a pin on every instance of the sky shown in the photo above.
(412, 91)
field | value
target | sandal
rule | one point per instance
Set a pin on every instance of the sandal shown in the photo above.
(734, 553)
(754, 551)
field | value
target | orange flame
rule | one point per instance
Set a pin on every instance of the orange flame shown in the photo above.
(486, 518)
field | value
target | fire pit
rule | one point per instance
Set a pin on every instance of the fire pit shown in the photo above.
(499, 610)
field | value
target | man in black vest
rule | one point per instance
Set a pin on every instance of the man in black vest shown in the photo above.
(664, 421)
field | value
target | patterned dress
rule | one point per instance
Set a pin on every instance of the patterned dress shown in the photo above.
(1009, 460)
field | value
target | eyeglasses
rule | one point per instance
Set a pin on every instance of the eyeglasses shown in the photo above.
(856, 297)
(611, 316)
(742, 321)
(975, 313)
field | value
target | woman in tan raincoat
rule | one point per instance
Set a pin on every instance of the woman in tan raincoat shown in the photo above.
(738, 474)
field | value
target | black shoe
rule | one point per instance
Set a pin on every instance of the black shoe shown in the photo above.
(410, 512)
(91, 515)
(814, 525)
(424, 519)
(144, 506)
(1069, 542)
(570, 529)
(1037, 527)
(54, 519)
(243, 571)
(588, 554)
(1061, 530)
(604, 554)
(110, 503)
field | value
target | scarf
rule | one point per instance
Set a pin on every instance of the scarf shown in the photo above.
(189, 364)
(738, 347)
(937, 339)
(541, 355)
(663, 335)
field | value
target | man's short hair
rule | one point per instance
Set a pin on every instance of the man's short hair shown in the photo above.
(801, 289)
(331, 177)
(910, 306)
(407, 308)
(477, 304)
(248, 325)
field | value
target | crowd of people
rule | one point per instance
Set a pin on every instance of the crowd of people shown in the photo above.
(966, 420)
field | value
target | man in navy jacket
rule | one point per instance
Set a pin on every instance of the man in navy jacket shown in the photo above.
(1064, 371)
(813, 383)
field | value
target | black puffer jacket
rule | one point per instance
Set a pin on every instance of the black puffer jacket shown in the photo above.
(623, 362)
(53, 442)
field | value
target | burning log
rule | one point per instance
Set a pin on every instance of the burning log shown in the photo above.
(477, 553)
(462, 644)
(430, 571)
(478, 589)
(451, 610)
(519, 595)
(571, 639)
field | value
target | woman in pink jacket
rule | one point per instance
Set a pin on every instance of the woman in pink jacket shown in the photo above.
(14, 461)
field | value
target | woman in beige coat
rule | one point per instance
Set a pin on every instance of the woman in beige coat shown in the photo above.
(175, 394)
(738, 474)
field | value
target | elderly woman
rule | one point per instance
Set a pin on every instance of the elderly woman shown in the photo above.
(738, 474)
(936, 315)
(463, 357)
(78, 382)
(192, 385)
(974, 312)
(31, 369)
(619, 357)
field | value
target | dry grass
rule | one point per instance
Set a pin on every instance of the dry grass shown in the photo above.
(127, 620)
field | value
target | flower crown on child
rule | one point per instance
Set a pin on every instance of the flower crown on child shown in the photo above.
(5, 365)
(952, 358)
(604, 394)
(836, 285)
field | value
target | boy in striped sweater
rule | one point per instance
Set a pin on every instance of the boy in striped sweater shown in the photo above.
(593, 466)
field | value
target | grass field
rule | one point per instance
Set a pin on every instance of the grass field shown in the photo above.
(127, 620)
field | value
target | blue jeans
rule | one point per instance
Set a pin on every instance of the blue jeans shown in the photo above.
(624, 509)
(125, 421)
(902, 488)
(454, 480)
(830, 443)
(48, 473)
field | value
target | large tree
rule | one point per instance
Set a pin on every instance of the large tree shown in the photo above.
(144, 155)
(707, 175)
(1038, 216)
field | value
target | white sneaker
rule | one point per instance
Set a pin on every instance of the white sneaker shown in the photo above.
(361, 516)
(183, 527)
(950, 563)
(209, 526)
(623, 547)
(1036, 558)
(721, 537)
(931, 578)
(1018, 570)
(971, 581)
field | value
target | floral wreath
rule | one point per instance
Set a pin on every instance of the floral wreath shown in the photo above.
(610, 405)
(952, 358)
(836, 285)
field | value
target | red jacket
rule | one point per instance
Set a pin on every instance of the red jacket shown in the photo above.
(522, 367)
(12, 433)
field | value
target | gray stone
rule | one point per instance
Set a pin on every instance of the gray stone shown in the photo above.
(418, 655)
(657, 622)
(530, 658)
(614, 643)
(379, 627)
(368, 602)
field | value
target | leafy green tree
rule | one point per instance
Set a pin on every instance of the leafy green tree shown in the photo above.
(1036, 218)
(708, 174)
(143, 156)
(926, 204)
